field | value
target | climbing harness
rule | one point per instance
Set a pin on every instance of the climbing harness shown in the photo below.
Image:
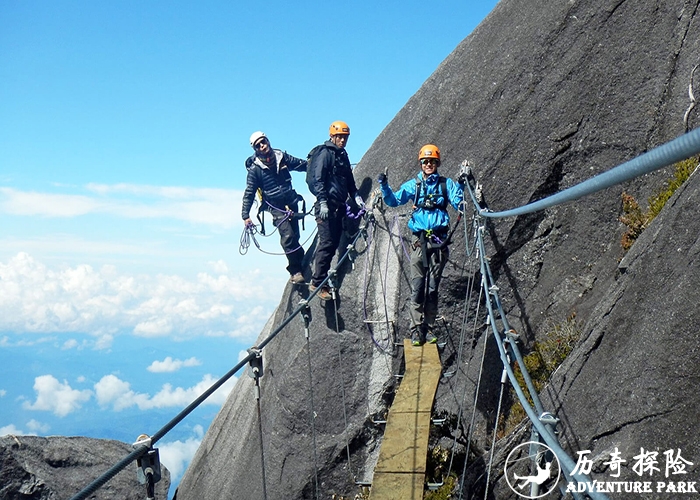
(431, 201)
(287, 211)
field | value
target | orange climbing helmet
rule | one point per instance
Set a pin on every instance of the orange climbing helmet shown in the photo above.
(339, 128)
(429, 151)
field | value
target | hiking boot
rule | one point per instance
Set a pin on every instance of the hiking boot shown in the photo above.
(430, 337)
(416, 337)
(324, 293)
(297, 279)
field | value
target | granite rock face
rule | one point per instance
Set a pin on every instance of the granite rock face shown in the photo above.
(540, 97)
(57, 468)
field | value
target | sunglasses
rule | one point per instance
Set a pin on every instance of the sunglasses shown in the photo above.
(430, 161)
(260, 143)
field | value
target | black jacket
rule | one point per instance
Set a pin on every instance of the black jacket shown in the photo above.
(329, 175)
(275, 181)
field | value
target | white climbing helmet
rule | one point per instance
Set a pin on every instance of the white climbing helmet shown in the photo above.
(256, 137)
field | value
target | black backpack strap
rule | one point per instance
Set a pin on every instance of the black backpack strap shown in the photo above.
(416, 197)
(442, 189)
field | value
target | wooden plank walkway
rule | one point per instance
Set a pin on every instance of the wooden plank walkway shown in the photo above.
(400, 470)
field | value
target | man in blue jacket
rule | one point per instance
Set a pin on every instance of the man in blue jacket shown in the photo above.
(330, 180)
(430, 194)
(268, 171)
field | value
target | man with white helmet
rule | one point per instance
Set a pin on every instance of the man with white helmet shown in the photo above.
(268, 171)
(330, 179)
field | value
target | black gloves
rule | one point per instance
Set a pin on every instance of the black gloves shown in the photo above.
(382, 179)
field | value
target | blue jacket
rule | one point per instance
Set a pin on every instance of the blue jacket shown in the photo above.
(423, 219)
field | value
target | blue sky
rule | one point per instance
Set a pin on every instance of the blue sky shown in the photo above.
(123, 131)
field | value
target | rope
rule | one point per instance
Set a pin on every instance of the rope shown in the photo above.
(306, 316)
(260, 435)
(504, 378)
(389, 349)
(342, 378)
(248, 235)
(474, 405)
(462, 336)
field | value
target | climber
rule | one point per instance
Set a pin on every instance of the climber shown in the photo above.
(430, 194)
(269, 171)
(330, 180)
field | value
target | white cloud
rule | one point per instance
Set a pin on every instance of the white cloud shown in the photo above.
(36, 298)
(172, 365)
(111, 390)
(38, 427)
(70, 344)
(208, 206)
(3, 392)
(57, 397)
(177, 455)
(11, 430)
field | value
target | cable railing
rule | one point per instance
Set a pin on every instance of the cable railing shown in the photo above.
(544, 422)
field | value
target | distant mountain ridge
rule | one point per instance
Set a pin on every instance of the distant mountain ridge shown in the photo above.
(540, 97)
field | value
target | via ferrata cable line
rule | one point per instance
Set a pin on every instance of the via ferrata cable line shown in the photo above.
(342, 374)
(306, 316)
(256, 371)
(387, 346)
(494, 306)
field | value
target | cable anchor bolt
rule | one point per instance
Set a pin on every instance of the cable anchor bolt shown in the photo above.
(306, 315)
(148, 464)
(255, 365)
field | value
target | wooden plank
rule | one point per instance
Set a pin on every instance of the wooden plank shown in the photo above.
(400, 470)
(405, 444)
(417, 389)
(397, 486)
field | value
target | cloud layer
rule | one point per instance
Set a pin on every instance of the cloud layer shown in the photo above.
(61, 399)
(209, 206)
(37, 299)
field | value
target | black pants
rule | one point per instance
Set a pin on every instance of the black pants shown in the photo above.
(424, 296)
(289, 239)
(329, 234)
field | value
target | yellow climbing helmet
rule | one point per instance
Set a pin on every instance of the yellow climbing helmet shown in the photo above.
(429, 151)
(339, 128)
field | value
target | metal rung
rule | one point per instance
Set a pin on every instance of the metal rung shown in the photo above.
(364, 483)
(434, 486)
(438, 421)
(391, 321)
(398, 376)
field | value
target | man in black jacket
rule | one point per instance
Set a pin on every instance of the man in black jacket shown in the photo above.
(268, 170)
(330, 179)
